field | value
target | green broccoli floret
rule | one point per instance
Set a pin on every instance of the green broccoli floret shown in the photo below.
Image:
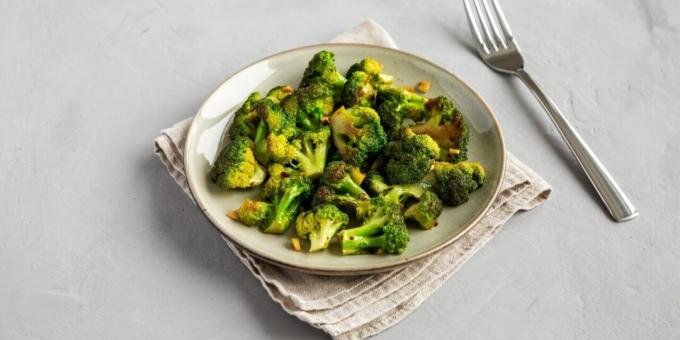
(382, 229)
(358, 90)
(277, 172)
(373, 68)
(285, 202)
(251, 213)
(453, 183)
(357, 133)
(327, 195)
(309, 104)
(337, 176)
(426, 211)
(447, 127)
(375, 183)
(310, 152)
(398, 193)
(273, 131)
(236, 167)
(408, 160)
(322, 66)
(319, 226)
(246, 118)
(394, 104)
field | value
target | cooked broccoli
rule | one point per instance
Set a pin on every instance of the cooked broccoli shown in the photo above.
(252, 213)
(274, 129)
(322, 66)
(426, 211)
(277, 172)
(382, 229)
(376, 183)
(236, 167)
(327, 195)
(309, 104)
(246, 118)
(357, 133)
(398, 193)
(408, 160)
(279, 93)
(453, 183)
(373, 68)
(310, 152)
(358, 90)
(285, 202)
(337, 177)
(447, 127)
(319, 226)
(394, 104)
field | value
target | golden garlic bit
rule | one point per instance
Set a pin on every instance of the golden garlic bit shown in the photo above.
(423, 86)
(295, 243)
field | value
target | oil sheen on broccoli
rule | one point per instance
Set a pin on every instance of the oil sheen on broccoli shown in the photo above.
(320, 225)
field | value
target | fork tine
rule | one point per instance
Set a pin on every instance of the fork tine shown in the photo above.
(501, 20)
(493, 22)
(474, 28)
(483, 17)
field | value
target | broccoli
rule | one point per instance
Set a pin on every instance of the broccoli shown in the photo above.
(396, 194)
(310, 152)
(319, 226)
(309, 104)
(394, 104)
(358, 90)
(453, 183)
(327, 195)
(251, 213)
(277, 172)
(447, 127)
(373, 68)
(337, 176)
(274, 129)
(246, 118)
(426, 211)
(285, 202)
(376, 183)
(357, 133)
(322, 67)
(236, 167)
(408, 160)
(279, 93)
(382, 229)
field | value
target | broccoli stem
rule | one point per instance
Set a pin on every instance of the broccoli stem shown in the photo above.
(322, 238)
(349, 186)
(369, 228)
(312, 161)
(360, 244)
(284, 212)
(260, 144)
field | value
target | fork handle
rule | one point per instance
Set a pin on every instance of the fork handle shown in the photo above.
(618, 204)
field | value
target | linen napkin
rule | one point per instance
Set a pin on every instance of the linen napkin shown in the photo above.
(356, 307)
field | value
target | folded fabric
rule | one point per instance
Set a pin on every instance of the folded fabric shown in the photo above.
(355, 307)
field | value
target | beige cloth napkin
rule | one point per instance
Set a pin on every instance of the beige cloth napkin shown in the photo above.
(355, 307)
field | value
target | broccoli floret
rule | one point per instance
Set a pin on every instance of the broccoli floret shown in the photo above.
(408, 160)
(426, 211)
(373, 68)
(382, 229)
(453, 183)
(274, 129)
(319, 226)
(309, 104)
(285, 202)
(322, 66)
(251, 213)
(327, 195)
(310, 152)
(358, 90)
(246, 118)
(447, 127)
(277, 172)
(394, 104)
(236, 167)
(357, 133)
(337, 176)
(400, 193)
(375, 183)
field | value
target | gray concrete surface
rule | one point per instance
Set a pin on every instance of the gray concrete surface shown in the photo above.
(97, 242)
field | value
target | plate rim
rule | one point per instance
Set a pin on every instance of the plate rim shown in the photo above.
(367, 269)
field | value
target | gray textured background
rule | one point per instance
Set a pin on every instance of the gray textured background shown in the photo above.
(97, 241)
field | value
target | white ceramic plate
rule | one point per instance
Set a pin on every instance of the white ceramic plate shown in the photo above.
(206, 137)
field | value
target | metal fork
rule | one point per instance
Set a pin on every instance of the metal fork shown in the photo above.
(500, 51)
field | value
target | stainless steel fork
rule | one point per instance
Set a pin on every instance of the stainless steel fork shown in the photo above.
(500, 51)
